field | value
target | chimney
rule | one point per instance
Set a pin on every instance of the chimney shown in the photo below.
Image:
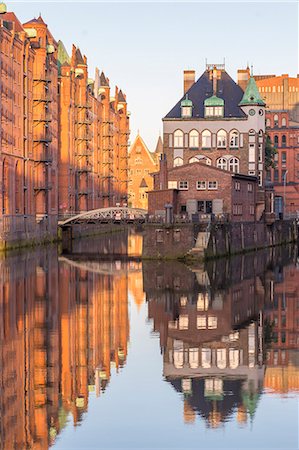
(189, 79)
(163, 172)
(215, 81)
(243, 77)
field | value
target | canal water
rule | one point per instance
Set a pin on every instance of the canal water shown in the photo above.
(107, 352)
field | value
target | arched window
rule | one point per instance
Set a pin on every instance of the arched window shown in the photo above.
(206, 139)
(221, 358)
(234, 139)
(234, 165)
(221, 139)
(200, 158)
(5, 187)
(222, 163)
(18, 188)
(178, 139)
(193, 139)
(268, 123)
(261, 133)
(178, 162)
(283, 122)
(275, 120)
(276, 140)
(251, 133)
(233, 358)
(283, 140)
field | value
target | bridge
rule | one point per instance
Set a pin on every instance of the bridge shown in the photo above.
(107, 215)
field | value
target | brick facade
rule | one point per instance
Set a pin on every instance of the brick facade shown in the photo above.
(220, 192)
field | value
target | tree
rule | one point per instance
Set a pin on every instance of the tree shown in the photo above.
(270, 152)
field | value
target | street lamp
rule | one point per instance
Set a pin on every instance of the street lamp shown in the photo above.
(284, 193)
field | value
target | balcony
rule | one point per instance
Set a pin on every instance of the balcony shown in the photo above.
(39, 98)
(46, 139)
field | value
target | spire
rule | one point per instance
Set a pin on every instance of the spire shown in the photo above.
(121, 97)
(251, 95)
(62, 55)
(159, 146)
(103, 80)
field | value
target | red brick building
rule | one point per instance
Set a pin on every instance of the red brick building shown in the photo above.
(199, 189)
(284, 134)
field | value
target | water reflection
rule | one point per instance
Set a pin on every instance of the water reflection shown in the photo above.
(229, 332)
(218, 328)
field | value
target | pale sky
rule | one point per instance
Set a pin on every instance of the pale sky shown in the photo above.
(144, 47)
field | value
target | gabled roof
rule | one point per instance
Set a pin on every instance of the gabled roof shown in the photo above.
(103, 80)
(38, 20)
(121, 97)
(11, 17)
(251, 95)
(227, 90)
(140, 141)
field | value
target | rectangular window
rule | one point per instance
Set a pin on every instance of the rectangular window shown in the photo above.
(283, 176)
(201, 322)
(183, 185)
(172, 184)
(201, 185)
(183, 322)
(250, 187)
(283, 158)
(251, 210)
(237, 186)
(212, 322)
(212, 185)
(276, 175)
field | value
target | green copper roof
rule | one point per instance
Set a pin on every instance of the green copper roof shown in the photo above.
(214, 101)
(186, 102)
(251, 95)
(62, 55)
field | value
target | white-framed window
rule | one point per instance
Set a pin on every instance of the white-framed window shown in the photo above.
(193, 160)
(212, 185)
(183, 185)
(201, 185)
(178, 162)
(206, 356)
(233, 358)
(178, 141)
(251, 132)
(214, 111)
(222, 163)
(275, 120)
(237, 186)
(268, 123)
(206, 139)
(234, 139)
(221, 358)
(212, 322)
(183, 322)
(193, 358)
(201, 322)
(234, 165)
(172, 184)
(283, 122)
(186, 111)
(178, 358)
(250, 187)
(221, 139)
(193, 139)
(202, 302)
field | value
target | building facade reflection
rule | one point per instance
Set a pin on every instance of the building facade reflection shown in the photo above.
(64, 330)
(216, 331)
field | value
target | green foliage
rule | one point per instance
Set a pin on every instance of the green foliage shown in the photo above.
(270, 152)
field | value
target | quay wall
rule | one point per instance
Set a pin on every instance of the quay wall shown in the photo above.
(180, 241)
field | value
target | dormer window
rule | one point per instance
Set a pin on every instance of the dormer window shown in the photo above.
(186, 108)
(214, 107)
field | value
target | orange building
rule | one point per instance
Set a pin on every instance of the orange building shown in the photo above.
(93, 137)
(17, 211)
(64, 137)
(142, 163)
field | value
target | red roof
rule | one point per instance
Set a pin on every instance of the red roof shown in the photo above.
(11, 17)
